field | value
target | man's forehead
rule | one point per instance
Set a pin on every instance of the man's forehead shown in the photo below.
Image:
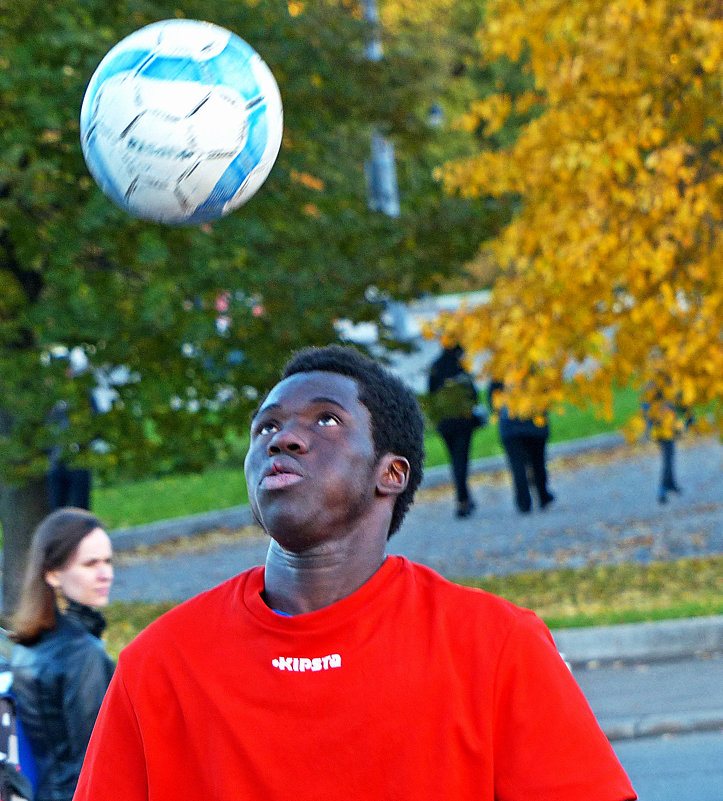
(311, 386)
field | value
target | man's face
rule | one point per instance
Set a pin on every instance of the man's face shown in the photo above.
(310, 468)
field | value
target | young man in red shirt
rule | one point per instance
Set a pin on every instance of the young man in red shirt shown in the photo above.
(336, 671)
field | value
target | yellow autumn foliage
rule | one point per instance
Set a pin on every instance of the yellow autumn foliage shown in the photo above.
(612, 272)
(307, 180)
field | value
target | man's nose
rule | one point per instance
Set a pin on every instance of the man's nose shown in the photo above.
(289, 438)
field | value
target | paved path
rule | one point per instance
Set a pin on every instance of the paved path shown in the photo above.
(672, 768)
(648, 699)
(606, 512)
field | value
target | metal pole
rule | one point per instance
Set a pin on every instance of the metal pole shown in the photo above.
(380, 169)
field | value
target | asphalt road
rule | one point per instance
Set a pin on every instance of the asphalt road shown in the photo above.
(646, 698)
(606, 511)
(685, 767)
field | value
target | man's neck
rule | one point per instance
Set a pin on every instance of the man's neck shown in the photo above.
(299, 582)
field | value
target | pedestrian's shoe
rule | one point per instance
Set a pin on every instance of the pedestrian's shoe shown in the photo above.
(547, 500)
(465, 509)
(665, 489)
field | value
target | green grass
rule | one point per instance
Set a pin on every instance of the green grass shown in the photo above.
(609, 594)
(586, 596)
(152, 499)
(576, 423)
(163, 498)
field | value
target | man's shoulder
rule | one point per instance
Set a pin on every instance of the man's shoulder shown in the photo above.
(465, 602)
(468, 619)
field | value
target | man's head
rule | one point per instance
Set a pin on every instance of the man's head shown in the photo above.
(394, 418)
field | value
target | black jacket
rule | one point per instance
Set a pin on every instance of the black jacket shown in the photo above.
(452, 393)
(59, 683)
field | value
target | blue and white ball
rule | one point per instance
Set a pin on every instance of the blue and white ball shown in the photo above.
(181, 122)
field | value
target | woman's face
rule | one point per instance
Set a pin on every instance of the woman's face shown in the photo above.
(87, 576)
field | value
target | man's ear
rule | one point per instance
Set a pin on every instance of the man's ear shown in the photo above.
(393, 474)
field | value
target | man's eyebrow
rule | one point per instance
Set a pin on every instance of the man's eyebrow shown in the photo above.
(323, 399)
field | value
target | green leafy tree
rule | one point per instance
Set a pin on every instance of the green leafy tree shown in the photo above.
(78, 272)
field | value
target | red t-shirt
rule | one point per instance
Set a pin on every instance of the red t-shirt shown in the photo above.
(411, 688)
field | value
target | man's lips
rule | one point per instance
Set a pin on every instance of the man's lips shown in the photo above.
(279, 480)
(281, 474)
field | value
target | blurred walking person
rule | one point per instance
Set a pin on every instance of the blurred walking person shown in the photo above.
(453, 409)
(667, 469)
(671, 420)
(524, 442)
(68, 485)
(60, 668)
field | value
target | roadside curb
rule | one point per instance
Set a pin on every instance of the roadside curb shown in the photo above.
(632, 728)
(125, 539)
(239, 516)
(630, 642)
(585, 649)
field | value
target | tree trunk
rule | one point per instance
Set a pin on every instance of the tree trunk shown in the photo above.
(22, 507)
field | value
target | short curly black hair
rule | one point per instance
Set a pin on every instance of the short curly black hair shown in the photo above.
(397, 421)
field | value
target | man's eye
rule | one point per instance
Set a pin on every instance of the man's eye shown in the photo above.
(266, 428)
(328, 419)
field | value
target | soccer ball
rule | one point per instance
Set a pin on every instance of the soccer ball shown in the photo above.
(181, 122)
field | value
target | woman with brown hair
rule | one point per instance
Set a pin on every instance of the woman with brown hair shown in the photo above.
(60, 668)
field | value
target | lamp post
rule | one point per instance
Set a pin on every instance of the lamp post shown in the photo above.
(380, 169)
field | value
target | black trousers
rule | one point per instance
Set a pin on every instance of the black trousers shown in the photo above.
(68, 487)
(667, 475)
(527, 453)
(457, 436)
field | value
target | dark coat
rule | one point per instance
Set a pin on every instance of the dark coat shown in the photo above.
(447, 365)
(59, 683)
(452, 393)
